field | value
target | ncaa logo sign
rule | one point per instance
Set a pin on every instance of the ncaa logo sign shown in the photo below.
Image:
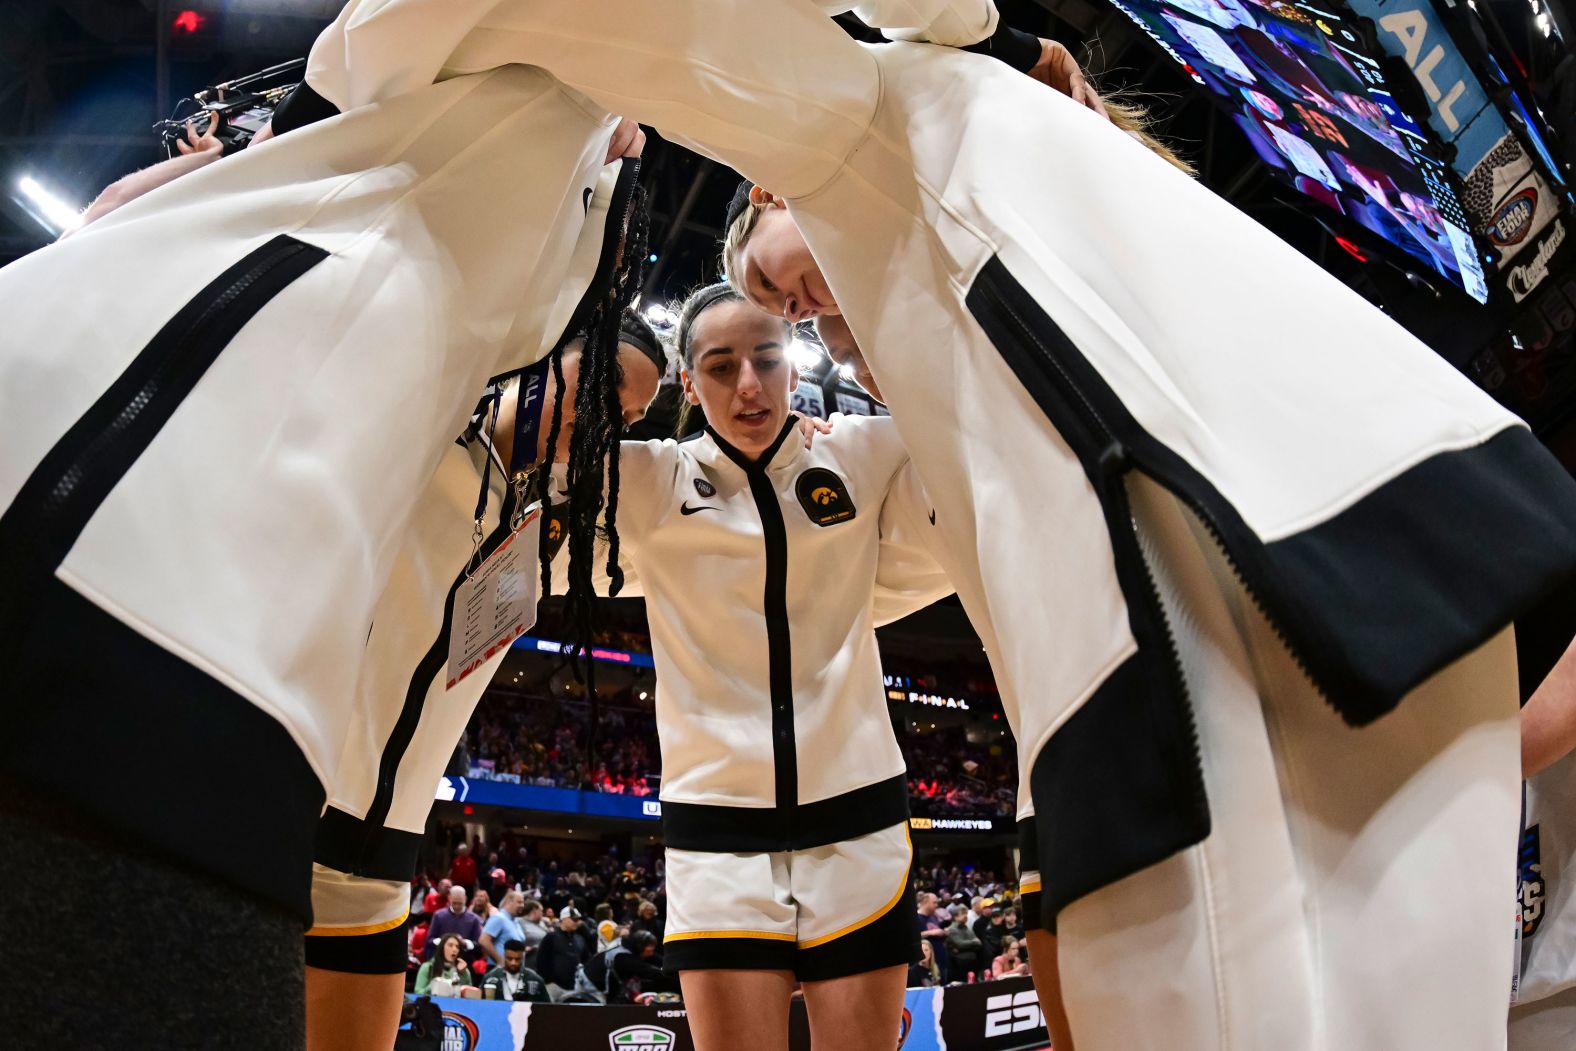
(459, 1032)
(642, 1038)
(1012, 1013)
(1511, 223)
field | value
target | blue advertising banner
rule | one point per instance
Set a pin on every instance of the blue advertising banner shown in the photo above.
(539, 797)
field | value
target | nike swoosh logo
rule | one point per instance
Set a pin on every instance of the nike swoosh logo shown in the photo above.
(585, 201)
(686, 509)
(932, 516)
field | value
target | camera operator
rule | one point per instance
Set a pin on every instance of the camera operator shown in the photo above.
(197, 151)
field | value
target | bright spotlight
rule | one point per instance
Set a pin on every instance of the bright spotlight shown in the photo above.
(847, 372)
(805, 355)
(56, 215)
(660, 316)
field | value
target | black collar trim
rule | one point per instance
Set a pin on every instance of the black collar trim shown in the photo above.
(765, 459)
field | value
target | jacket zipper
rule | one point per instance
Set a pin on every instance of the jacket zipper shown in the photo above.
(1199, 508)
(1114, 462)
(73, 479)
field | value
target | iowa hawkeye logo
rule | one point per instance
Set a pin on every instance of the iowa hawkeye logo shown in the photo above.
(824, 497)
(642, 1038)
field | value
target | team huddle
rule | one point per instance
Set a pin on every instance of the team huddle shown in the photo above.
(1251, 637)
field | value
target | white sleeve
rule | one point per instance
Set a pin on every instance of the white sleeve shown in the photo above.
(772, 88)
(646, 471)
(957, 23)
(909, 574)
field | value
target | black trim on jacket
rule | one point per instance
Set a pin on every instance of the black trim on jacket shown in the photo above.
(1018, 49)
(163, 753)
(67, 487)
(348, 844)
(1371, 602)
(774, 603)
(1127, 787)
(142, 720)
(301, 107)
(737, 829)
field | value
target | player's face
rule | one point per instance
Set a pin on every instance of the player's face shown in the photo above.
(634, 396)
(839, 343)
(777, 271)
(740, 375)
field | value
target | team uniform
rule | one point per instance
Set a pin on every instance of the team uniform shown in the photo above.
(1262, 579)
(407, 717)
(197, 474)
(784, 798)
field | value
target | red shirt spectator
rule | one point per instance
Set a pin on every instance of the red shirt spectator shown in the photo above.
(463, 871)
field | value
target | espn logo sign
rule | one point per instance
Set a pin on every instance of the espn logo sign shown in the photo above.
(1012, 1013)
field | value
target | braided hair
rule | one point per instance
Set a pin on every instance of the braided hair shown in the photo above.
(594, 440)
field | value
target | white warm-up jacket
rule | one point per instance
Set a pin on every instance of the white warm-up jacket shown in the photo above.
(406, 718)
(764, 582)
(1048, 306)
(219, 407)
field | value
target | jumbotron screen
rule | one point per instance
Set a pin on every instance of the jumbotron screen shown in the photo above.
(1301, 85)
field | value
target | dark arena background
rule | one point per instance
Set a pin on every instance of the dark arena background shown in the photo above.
(1420, 150)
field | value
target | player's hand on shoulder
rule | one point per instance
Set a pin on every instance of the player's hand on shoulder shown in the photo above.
(1059, 69)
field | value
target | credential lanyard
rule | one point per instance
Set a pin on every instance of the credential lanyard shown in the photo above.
(530, 397)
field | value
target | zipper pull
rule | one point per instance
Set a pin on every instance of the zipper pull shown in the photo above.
(1115, 460)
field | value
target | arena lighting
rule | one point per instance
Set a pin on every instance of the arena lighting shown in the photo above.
(660, 315)
(188, 21)
(54, 214)
(846, 371)
(805, 355)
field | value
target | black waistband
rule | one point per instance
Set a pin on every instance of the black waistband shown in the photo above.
(734, 829)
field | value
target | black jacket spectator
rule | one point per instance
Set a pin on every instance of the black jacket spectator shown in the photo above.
(563, 951)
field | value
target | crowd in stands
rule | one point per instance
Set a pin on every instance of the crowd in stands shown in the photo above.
(545, 741)
(971, 926)
(949, 776)
(542, 741)
(499, 918)
(535, 930)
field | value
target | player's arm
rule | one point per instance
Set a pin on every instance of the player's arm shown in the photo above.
(197, 151)
(1548, 721)
(909, 575)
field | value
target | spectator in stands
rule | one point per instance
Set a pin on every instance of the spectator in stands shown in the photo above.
(482, 906)
(563, 951)
(989, 929)
(933, 930)
(646, 919)
(463, 869)
(1010, 962)
(503, 927)
(447, 974)
(1012, 925)
(456, 919)
(625, 971)
(607, 932)
(512, 980)
(926, 972)
(965, 951)
(532, 929)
